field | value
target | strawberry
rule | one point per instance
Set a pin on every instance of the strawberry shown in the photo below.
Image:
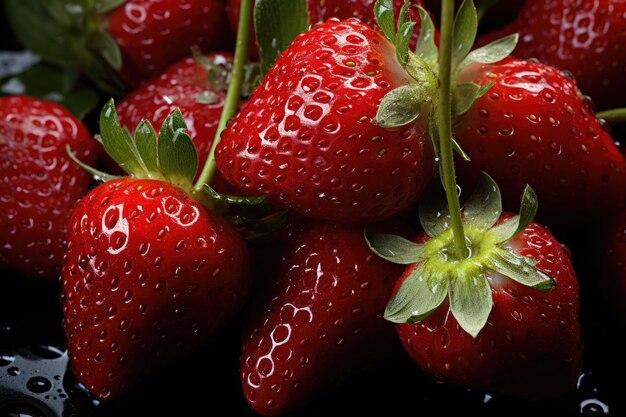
(321, 319)
(193, 85)
(534, 126)
(322, 10)
(150, 273)
(39, 185)
(584, 37)
(511, 323)
(120, 42)
(306, 137)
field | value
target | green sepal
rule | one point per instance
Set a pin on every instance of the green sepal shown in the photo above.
(383, 10)
(104, 44)
(277, 23)
(145, 140)
(426, 47)
(400, 107)
(521, 269)
(466, 94)
(465, 29)
(105, 6)
(493, 52)
(233, 199)
(177, 156)
(402, 42)
(206, 97)
(418, 296)
(484, 207)
(395, 249)
(433, 211)
(517, 224)
(98, 175)
(459, 150)
(470, 300)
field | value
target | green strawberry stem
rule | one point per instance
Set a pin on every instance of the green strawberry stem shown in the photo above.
(444, 125)
(613, 115)
(234, 89)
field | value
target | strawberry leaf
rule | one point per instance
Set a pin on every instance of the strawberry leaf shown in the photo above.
(145, 140)
(433, 211)
(493, 52)
(426, 47)
(517, 224)
(484, 207)
(383, 10)
(522, 269)
(471, 300)
(104, 6)
(402, 42)
(457, 148)
(418, 296)
(465, 29)
(400, 107)
(98, 175)
(466, 95)
(277, 23)
(395, 249)
(104, 44)
(178, 160)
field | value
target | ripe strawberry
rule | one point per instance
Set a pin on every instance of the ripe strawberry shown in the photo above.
(322, 10)
(122, 40)
(511, 322)
(191, 85)
(584, 37)
(534, 127)
(306, 138)
(149, 273)
(39, 185)
(320, 321)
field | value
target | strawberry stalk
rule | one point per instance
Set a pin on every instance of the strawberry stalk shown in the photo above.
(444, 125)
(234, 90)
(613, 115)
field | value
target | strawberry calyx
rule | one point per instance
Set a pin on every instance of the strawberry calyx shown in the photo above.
(439, 273)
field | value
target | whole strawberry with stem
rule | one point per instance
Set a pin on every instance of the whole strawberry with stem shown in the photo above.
(319, 320)
(39, 185)
(308, 138)
(584, 37)
(535, 127)
(150, 273)
(119, 43)
(488, 300)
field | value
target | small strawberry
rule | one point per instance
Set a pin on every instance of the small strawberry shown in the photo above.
(534, 127)
(193, 85)
(149, 273)
(584, 37)
(322, 10)
(120, 42)
(320, 321)
(503, 319)
(306, 137)
(39, 185)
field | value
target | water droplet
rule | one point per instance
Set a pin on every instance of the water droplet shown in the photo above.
(13, 371)
(38, 384)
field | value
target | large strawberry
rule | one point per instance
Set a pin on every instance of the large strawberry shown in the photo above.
(150, 273)
(584, 37)
(322, 10)
(321, 319)
(503, 319)
(194, 85)
(535, 127)
(307, 138)
(39, 185)
(117, 42)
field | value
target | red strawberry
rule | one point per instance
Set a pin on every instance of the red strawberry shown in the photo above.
(322, 10)
(129, 40)
(505, 318)
(534, 127)
(150, 273)
(39, 185)
(321, 319)
(584, 37)
(306, 138)
(189, 85)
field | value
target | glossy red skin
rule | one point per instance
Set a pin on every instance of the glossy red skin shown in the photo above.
(534, 127)
(320, 321)
(322, 10)
(530, 347)
(149, 276)
(39, 184)
(178, 88)
(153, 34)
(613, 283)
(306, 138)
(585, 37)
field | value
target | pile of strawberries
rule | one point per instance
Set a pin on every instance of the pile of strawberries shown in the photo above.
(298, 182)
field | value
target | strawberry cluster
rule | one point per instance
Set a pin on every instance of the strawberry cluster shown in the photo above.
(311, 176)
